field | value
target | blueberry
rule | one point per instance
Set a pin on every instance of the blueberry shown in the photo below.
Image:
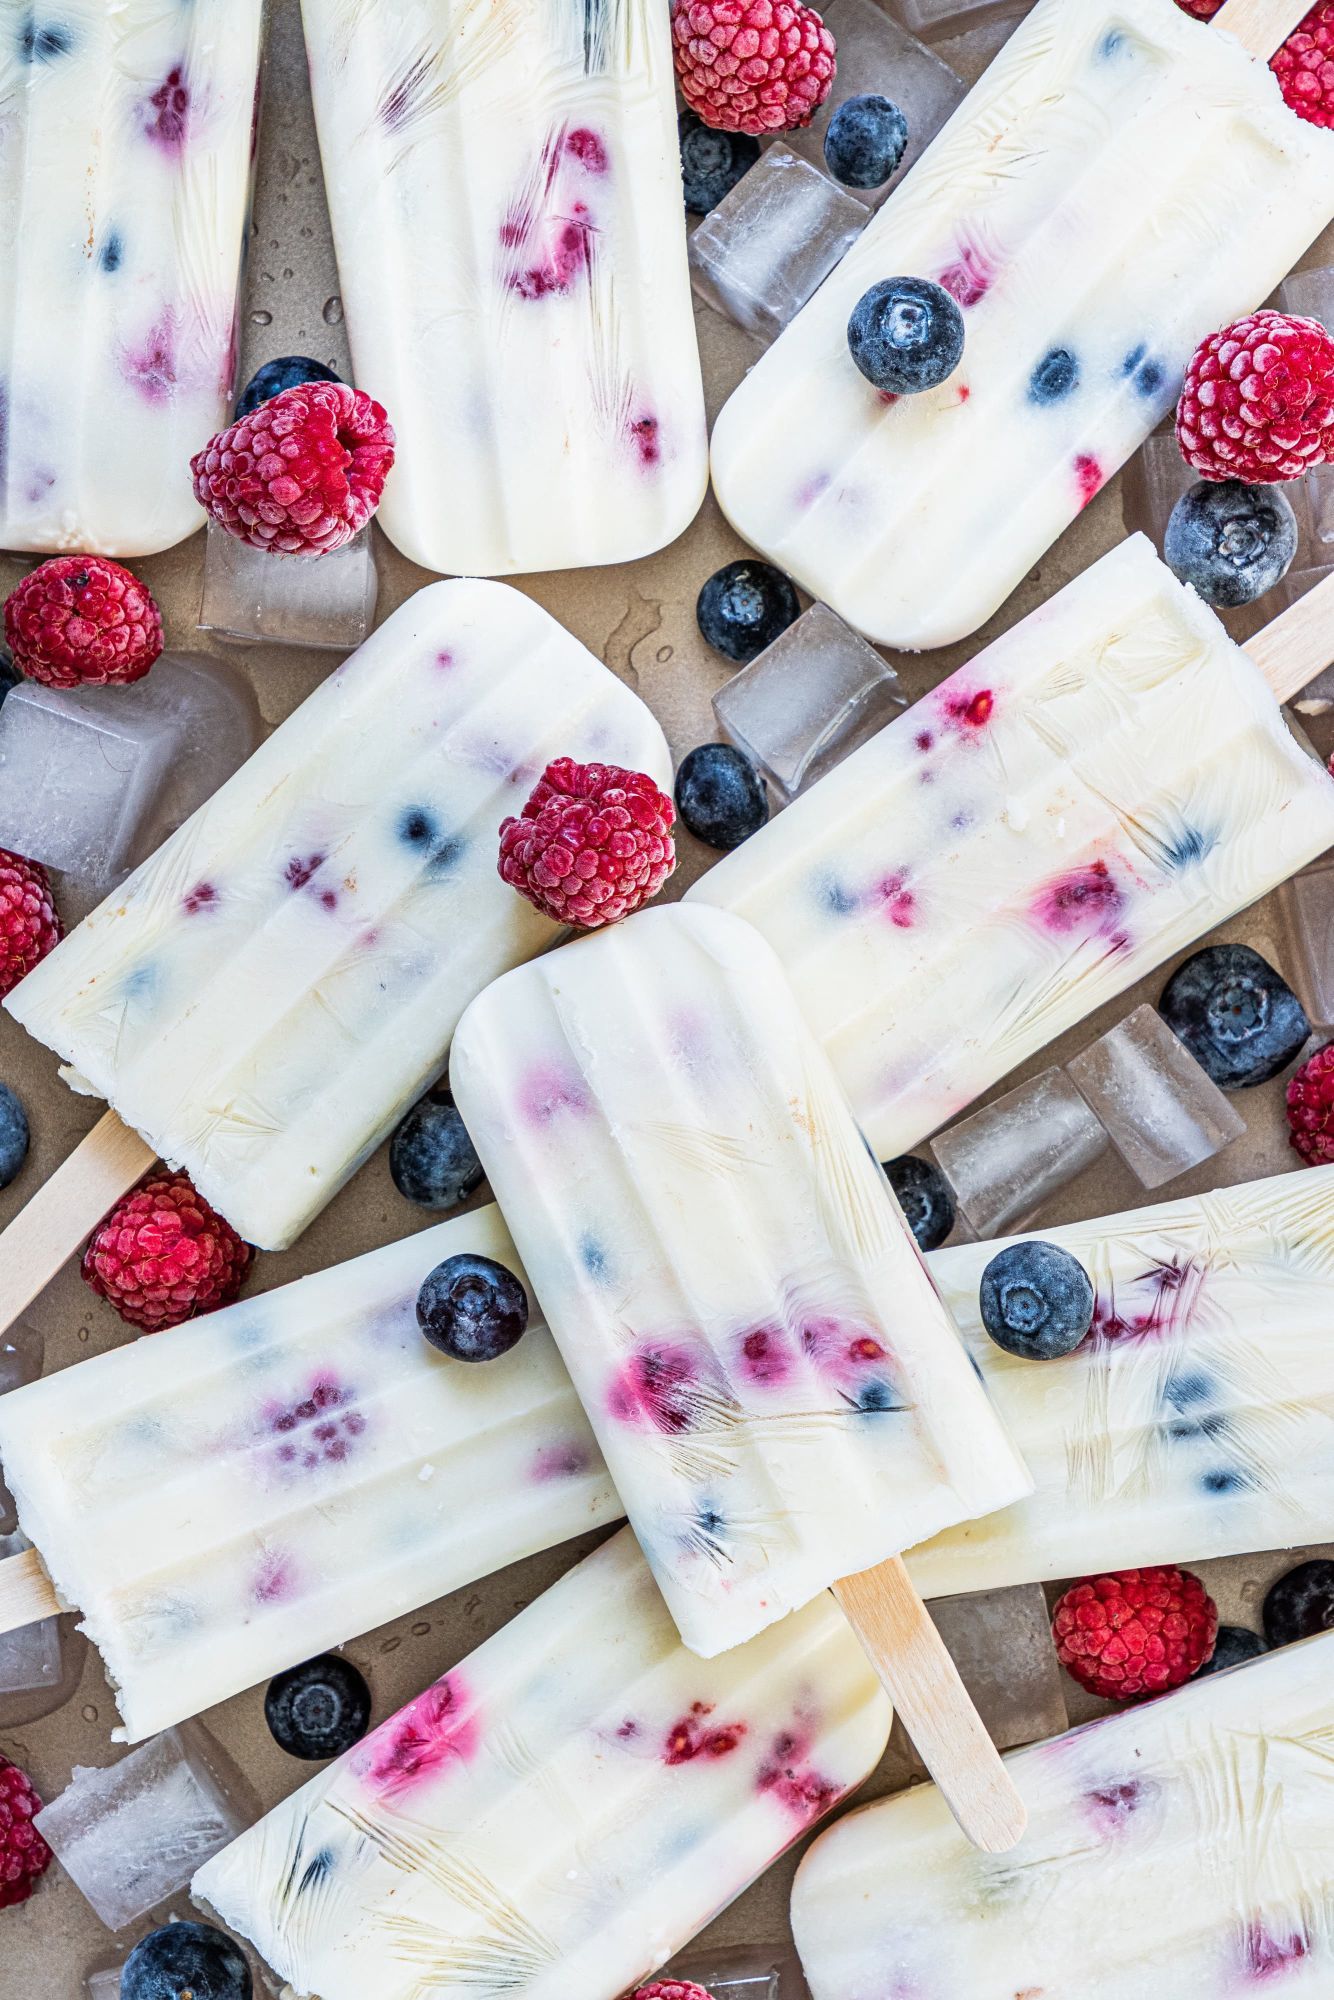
(1300, 1603)
(720, 795)
(744, 606)
(1036, 1301)
(318, 1709)
(1231, 542)
(906, 335)
(285, 373)
(9, 673)
(866, 139)
(472, 1308)
(1234, 1646)
(112, 253)
(926, 1198)
(418, 827)
(712, 162)
(185, 1962)
(431, 1158)
(43, 44)
(1055, 376)
(1239, 1019)
(13, 1135)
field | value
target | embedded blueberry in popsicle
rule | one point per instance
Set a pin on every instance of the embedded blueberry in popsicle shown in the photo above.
(472, 1308)
(319, 1709)
(1036, 1301)
(906, 335)
(1239, 1018)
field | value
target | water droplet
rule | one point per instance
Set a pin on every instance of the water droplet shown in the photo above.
(421, 1631)
(90, 1713)
(288, 271)
(262, 318)
(664, 654)
(333, 311)
(391, 1645)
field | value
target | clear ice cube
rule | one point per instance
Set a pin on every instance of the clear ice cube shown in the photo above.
(1306, 906)
(134, 1833)
(758, 256)
(253, 597)
(40, 1665)
(808, 700)
(941, 20)
(747, 1972)
(1164, 1114)
(1006, 1160)
(103, 1982)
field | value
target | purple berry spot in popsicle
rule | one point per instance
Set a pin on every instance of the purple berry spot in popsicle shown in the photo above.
(838, 1349)
(437, 1729)
(787, 1777)
(1088, 899)
(966, 708)
(301, 868)
(589, 149)
(661, 1386)
(895, 901)
(970, 277)
(763, 1357)
(695, 1736)
(810, 490)
(321, 1428)
(1269, 1954)
(545, 1092)
(560, 1461)
(646, 439)
(275, 1578)
(1088, 477)
(444, 658)
(202, 897)
(1173, 1290)
(1111, 1805)
(924, 740)
(167, 113)
(151, 367)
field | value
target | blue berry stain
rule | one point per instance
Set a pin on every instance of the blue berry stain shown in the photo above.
(43, 44)
(874, 1399)
(1187, 846)
(112, 253)
(594, 1259)
(1225, 1479)
(419, 828)
(1145, 371)
(1054, 378)
(317, 1870)
(1184, 1391)
(839, 902)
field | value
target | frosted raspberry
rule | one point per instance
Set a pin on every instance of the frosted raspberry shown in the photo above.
(671, 1989)
(24, 1855)
(592, 844)
(1136, 1632)
(82, 621)
(29, 925)
(163, 1255)
(1258, 400)
(1311, 1108)
(752, 65)
(1304, 66)
(302, 473)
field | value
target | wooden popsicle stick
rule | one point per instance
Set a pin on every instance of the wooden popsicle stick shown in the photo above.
(66, 1209)
(26, 1595)
(1261, 26)
(1299, 644)
(916, 1670)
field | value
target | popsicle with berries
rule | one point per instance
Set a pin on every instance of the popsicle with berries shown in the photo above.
(1122, 181)
(561, 1812)
(509, 176)
(224, 1500)
(781, 1398)
(270, 991)
(125, 163)
(1103, 784)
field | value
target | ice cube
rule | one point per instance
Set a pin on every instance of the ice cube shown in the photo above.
(747, 1972)
(40, 1665)
(1311, 293)
(1306, 905)
(1005, 1161)
(134, 1833)
(761, 253)
(253, 597)
(1164, 1114)
(808, 700)
(103, 1982)
(940, 20)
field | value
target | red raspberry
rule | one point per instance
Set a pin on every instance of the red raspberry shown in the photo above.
(24, 1855)
(1258, 400)
(81, 621)
(671, 1989)
(1203, 10)
(1137, 1632)
(752, 65)
(29, 924)
(592, 844)
(1311, 1108)
(1304, 66)
(163, 1255)
(302, 473)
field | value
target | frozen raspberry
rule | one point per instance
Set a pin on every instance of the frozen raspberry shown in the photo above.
(24, 1855)
(163, 1255)
(1304, 66)
(752, 65)
(671, 1989)
(1137, 1632)
(302, 473)
(592, 844)
(1311, 1108)
(81, 621)
(29, 925)
(1258, 400)
(1203, 10)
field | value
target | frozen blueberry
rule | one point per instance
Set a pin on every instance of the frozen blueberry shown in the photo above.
(275, 376)
(9, 673)
(1055, 377)
(1036, 1301)
(318, 1709)
(866, 139)
(720, 795)
(185, 1962)
(13, 1135)
(472, 1308)
(1300, 1603)
(1231, 542)
(1239, 1019)
(906, 335)
(431, 1158)
(712, 162)
(926, 1198)
(744, 606)
(1234, 1646)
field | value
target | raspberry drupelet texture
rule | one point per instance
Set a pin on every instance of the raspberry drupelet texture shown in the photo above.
(752, 66)
(163, 1255)
(82, 621)
(29, 925)
(671, 1989)
(1135, 1632)
(592, 845)
(1311, 1108)
(300, 475)
(24, 1855)
(1258, 400)
(1304, 65)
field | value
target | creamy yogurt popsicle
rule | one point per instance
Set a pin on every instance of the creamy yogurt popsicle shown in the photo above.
(1072, 207)
(780, 1395)
(1185, 1847)
(125, 159)
(269, 992)
(229, 1498)
(1102, 785)
(563, 1810)
(504, 180)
